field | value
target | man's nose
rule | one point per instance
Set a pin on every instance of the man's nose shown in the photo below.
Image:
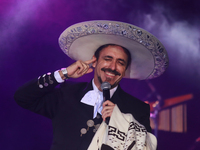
(113, 65)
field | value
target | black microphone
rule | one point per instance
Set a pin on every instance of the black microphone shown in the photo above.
(105, 87)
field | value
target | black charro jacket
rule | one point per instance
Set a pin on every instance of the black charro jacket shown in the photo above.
(61, 103)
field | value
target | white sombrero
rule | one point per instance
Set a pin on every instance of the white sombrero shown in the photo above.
(149, 57)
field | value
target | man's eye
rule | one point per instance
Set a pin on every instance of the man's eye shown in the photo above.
(122, 63)
(107, 59)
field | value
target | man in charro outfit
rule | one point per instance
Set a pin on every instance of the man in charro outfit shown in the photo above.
(113, 50)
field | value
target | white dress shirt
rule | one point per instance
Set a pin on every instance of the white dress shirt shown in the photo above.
(95, 98)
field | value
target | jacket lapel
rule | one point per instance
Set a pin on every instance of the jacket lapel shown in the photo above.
(87, 108)
(116, 98)
(87, 88)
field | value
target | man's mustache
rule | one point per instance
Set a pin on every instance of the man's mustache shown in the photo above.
(111, 71)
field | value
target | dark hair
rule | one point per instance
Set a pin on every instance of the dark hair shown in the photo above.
(97, 52)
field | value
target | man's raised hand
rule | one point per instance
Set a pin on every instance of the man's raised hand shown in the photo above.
(79, 68)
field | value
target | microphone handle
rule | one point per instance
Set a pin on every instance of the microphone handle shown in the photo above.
(106, 96)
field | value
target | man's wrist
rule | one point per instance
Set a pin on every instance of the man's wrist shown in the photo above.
(64, 74)
(57, 76)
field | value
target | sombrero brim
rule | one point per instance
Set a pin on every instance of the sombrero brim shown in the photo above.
(149, 57)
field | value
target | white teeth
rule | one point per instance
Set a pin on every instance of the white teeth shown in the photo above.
(110, 74)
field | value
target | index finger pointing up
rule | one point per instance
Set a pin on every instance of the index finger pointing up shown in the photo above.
(91, 60)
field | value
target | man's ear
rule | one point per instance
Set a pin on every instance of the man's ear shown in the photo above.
(94, 63)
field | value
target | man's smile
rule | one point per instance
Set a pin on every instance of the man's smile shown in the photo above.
(110, 72)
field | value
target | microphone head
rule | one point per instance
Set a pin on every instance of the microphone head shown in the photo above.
(105, 85)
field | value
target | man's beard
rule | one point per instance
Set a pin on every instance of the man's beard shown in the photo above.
(109, 79)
